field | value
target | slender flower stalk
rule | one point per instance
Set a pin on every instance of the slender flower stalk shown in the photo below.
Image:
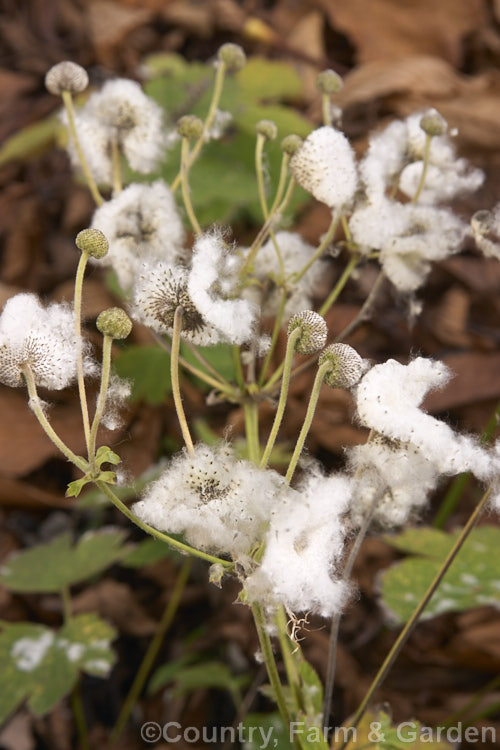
(250, 408)
(185, 549)
(186, 197)
(101, 399)
(285, 381)
(174, 369)
(80, 272)
(79, 717)
(152, 651)
(117, 169)
(320, 249)
(337, 289)
(259, 150)
(37, 409)
(313, 401)
(425, 166)
(274, 338)
(410, 625)
(288, 659)
(94, 190)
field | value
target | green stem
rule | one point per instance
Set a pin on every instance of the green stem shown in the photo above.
(410, 625)
(425, 166)
(174, 371)
(326, 109)
(288, 659)
(214, 103)
(80, 272)
(240, 379)
(274, 338)
(37, 409)
(280, 191)
(101, 399)
(269, 660)
(311, 408)
(259, 148)
(186, 197)
(250, 409)
(94, 190)
(152, 651)
(79, 716)
(320, 249)
(285, 382)
(117, 169)
(204, 361)
(332, 297)
(175, 543)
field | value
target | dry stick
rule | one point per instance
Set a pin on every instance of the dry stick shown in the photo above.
(408, 628)
(152, 650)
(334, 633)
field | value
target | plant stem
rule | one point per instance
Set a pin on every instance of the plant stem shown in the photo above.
(186, 197)
(250, 409)
(365, 310)
(175, 543)
(311, 408)
(285, 382)
(174, 370)
(326, 109)
(214, 103)
(80, 272)
(94, 190)
(117, 169)
(107, 343)
(152, 650)
(410, 625)
(269, 660)
(202, 360)
(79, 716)
(334, 632)
(288, 659)
(425, 165)
(332, 297)
(320, 249)
(37, 409)
(473, 702)
(281, 182)
(274, 338)
(259, 148)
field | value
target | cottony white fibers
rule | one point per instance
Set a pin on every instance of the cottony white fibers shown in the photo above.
(142, 222)
(303, 547)
(408, 237)
(212, 274)
(295, 253)
(93, 137)
(219, 502)
(384, 159)
(442, 183)
(324, 166)
(42, 337)
(388, 400)
(116, 397)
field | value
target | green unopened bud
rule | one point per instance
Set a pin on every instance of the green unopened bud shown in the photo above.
(66, 76)
(233, 57)
(114, 322)
(291, 143)
(329, 82)
(313, 330)
(483, 223)
(190, 127)
(267, 128)
(432, 123)
(92, 242)
(346, 366)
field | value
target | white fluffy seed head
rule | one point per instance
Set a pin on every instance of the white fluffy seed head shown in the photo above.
(66, 76)
(346, 366)
(313, 331)
(324, 165)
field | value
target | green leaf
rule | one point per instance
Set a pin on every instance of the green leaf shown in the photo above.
(207, 674)
(57, 565)
(258, 727)
(105, 455)
(312, 691)
(471, 581)
(41, 667)
(30, 141)
(149, 369)
(377, 732)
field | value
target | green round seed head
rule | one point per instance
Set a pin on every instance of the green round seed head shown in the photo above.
(432, 123)
(92, 242)
(114, 322)
(190, 127)
(66, 76)
(233, 56)
(313, 331)
(267, 128)
(291, 143)
(329, 82)
(346, 366)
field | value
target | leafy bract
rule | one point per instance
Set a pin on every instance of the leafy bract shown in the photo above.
(41, 666)
(56, 565)
(471, 581)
